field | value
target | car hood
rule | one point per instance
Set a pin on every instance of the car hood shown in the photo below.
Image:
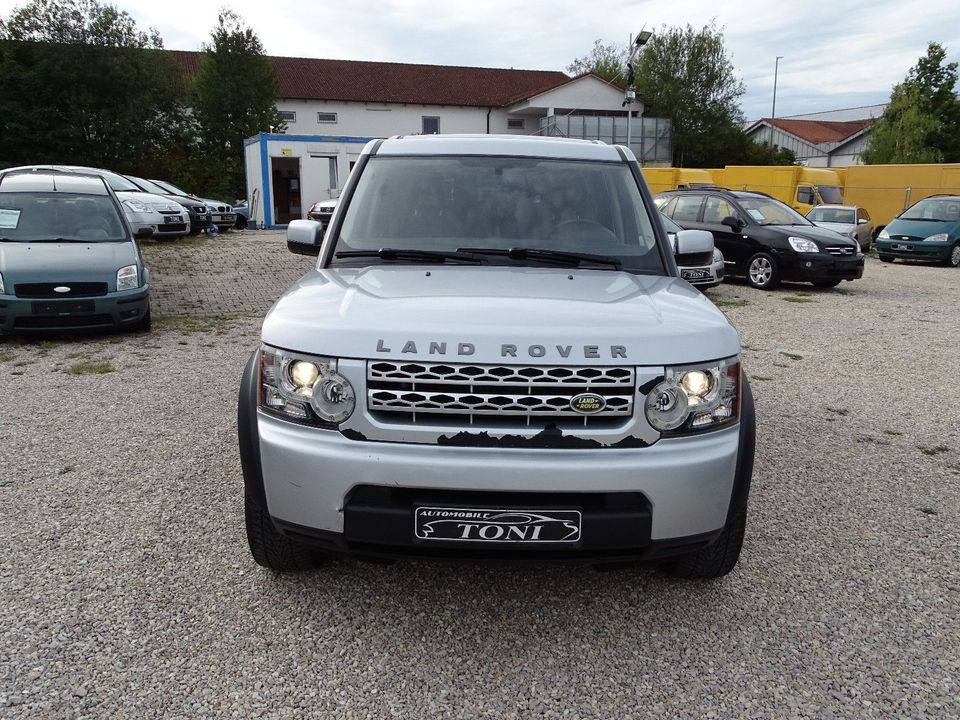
(922, 228)
(208, 201)
(157, 202)
(842, 228)
(64, 262)
(551, 316)
(187, 202)
(821, 235)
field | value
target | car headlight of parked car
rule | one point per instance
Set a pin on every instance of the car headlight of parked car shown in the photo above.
(304, 387)
(939, 237)
(717, 255)
(128, 278)
(1, 286)
(695, 397)
(802, 245)
(137, 206)
(884, 235)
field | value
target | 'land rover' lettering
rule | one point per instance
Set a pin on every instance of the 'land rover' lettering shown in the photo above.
(410, 347)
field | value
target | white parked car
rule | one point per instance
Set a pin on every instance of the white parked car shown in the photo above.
(701, 271)
(144, 211)
(849, 220)
(221, 214)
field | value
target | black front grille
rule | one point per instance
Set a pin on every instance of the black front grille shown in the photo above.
(46, 290)
(695, 259)
(841, 250)
(171, 227)
(40, 322)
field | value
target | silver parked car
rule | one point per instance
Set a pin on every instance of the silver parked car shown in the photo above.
(849, 220)
(700, 271)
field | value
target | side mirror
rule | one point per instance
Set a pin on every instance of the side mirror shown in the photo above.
(733, 223)
(304, 237)
(862, 221)
(691, 242)
(143, 233)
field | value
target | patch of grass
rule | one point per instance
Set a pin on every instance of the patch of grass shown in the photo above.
(794, 299)
(45, 346)
(6, 356)
(730, 302)
(761, 378)
(838, 411)
(91, 367)
(804, 293)
(66, 469)
(79, 354)
(190, 324)
(792, 356)
(935, 450)
(841, 291)
(892, 432)
(21, 363)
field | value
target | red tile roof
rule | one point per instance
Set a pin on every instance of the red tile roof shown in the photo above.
(381, 82)
(818, 131)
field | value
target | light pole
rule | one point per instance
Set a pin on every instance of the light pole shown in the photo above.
(776, 70)
(630, 95)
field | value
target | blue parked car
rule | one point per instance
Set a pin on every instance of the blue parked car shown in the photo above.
(929, 230)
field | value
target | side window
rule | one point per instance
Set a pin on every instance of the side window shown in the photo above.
(716, 210)
(805, 195)
(687, 208)
(862, 214)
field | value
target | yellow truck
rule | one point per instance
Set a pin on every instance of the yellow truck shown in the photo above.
(887, 190)
(670, 178)
(799, 187)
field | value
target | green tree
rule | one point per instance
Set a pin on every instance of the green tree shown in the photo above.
(922, 121)
(686, 75)
(763, 153)
(81, 84)
(606, 61)
(233, 99)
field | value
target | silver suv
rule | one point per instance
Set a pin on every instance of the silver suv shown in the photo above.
(495, 356)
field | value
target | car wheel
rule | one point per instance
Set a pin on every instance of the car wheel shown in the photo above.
(954, 259)
(826, 283)
(145, 323)
(241, 223)
(886, 258)
(270, 548)
(762, 272)
(715, 560)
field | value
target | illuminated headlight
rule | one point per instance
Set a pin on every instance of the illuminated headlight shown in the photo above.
(304, 387)
(137, 206)
(884, 235)
(127, 278)
(802, 245)
(695, 397)
(939, 237)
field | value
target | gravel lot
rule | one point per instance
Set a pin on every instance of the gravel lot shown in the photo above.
(127, 589)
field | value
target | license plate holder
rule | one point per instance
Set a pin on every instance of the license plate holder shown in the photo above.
(61, 307)
(496, 525)
(897, 246)
(694, 274)
(171, 219)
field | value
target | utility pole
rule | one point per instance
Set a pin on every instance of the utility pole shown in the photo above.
(776, 70)
(630, 95)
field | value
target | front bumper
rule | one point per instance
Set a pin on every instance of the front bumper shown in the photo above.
(713, 275)
(114, 310)
(811, 267)
(223, 219)
(914, 250)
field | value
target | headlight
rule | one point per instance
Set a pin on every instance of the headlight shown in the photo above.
(939, 237)
(137, 206)
(884, 235)
(127, 278)
(803, 245)
(717, 256)
(304, 387)
(1, 285)
(695, 397)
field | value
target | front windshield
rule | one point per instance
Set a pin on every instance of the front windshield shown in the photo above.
(150, 187)
(831, 194)
(117, 182)
(446, 203)
(942, 209)
(767, 211)
(833, 215)
(30, 217)
(169, 188)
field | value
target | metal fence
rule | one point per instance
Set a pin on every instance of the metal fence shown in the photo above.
(651, 138)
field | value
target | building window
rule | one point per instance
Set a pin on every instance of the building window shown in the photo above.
(515, 123)
(431, 125)
(323, 117)
(288, 116)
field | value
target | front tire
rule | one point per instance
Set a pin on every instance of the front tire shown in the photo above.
(241, 223)
(762, 272)
(715, 560)
(145, 323)
(954, 259)
(886, 258)
(268, 547)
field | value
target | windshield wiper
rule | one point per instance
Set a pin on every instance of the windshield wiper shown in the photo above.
(924, 219)
(411, 254)
(61, 239)
(549, 256)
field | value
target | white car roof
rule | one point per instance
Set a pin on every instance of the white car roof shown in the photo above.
(511, 145)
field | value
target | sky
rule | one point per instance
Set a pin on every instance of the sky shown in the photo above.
(839, 54)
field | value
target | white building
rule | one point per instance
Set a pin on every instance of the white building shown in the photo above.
(333, 107)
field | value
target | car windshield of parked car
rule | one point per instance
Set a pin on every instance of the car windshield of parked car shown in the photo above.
(942, 209)
(150, 187)
(447, 203)
(833, 215)
(168, 188)
(767, 211)
(39, 217)
(831, 193)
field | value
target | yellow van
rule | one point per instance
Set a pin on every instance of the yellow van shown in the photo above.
(801, 188)
(887, 190)
(670, 178)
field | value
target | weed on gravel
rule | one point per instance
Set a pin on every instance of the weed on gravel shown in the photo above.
(792, 356)
(935, 450)
(189, 324)
(730, 302)
(91, 367)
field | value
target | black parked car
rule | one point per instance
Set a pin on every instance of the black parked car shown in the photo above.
(764, 239)
(199, 215)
